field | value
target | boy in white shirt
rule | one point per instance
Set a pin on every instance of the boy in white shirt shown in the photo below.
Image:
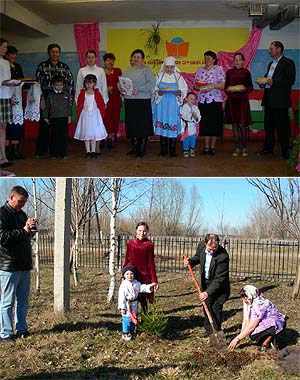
(190, 117)
(127, 300)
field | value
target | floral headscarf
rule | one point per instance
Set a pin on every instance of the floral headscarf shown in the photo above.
(252, 293)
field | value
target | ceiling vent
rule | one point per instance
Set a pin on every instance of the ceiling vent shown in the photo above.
(256, 9)
(285, 17)
(269, 15)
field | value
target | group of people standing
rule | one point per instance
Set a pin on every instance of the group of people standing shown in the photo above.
(159, 105)
(262, 320)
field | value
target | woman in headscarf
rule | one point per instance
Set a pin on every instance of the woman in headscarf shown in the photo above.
(170, 91)
(262, 321)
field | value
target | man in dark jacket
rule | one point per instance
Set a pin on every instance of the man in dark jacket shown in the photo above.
(16, 230)
(214, 274)
(281, 74)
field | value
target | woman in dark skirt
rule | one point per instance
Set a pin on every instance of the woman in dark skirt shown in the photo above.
(138, 111)
(14, 132)
(209, 81)
(238, 85)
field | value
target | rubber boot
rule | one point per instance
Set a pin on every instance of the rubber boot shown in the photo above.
(163, 146)
(9, 155)
(133, 150)
(172, 147)
(15, 151)
(141, 151)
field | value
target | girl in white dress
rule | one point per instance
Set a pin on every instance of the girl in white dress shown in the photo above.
(90, 111)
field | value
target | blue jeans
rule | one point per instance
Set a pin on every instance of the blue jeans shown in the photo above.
(189, 142)
(15, 289)
(127, 326)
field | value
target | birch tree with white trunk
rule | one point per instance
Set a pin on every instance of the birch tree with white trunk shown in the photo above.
(36, 241)
(283, 196)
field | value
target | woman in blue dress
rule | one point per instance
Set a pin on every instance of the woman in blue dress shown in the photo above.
(170, 91)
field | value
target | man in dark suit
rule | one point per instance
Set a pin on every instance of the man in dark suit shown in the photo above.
(281, 74)
(214, 274)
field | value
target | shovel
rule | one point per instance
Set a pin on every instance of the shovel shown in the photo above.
(216, 338)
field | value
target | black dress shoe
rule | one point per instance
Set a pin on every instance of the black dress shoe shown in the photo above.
(205, 152)
(24, 335)
(284, 156)
(264, 152)
(10, 339)
(6, 164)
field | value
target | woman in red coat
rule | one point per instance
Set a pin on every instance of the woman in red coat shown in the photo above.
(238, 85)
(112, 113)
(140, 254)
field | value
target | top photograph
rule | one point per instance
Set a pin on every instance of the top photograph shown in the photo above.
(149, 88)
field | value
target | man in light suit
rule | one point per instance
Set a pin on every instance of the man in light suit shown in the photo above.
(214, 274)
(281, 74)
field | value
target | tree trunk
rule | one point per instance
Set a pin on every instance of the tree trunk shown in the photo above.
(112, 252)
(296, 289)
(36, 245)
(74, 251)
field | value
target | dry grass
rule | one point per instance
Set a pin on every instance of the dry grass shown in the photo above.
(86, 344)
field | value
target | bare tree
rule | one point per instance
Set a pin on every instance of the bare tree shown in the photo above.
(283, 196)
(262, 222)
(193, 211)
(36, 243)
(123, 194)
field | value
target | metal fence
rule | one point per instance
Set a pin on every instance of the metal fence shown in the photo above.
(266, 259)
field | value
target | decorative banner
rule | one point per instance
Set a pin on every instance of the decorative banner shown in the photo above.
(187, 45)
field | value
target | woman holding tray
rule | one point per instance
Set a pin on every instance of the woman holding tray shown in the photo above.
(170, 91)
(210, 101)
(238, 85)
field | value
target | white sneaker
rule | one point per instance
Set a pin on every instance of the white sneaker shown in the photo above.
(236, 153)
(127, 336)
(245, 152)
(192, 153)
(186, 154)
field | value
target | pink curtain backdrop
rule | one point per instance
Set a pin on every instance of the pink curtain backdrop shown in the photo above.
(87, 37)
(225, 59)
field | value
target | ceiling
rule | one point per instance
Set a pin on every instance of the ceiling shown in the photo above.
(32, 18)
(79, 11)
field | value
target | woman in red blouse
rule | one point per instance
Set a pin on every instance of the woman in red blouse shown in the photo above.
(238, 85)
(140, 254)
(112, 113)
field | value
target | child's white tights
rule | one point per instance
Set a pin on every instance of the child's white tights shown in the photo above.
(90, 146)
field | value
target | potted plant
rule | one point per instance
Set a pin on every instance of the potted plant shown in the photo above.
(154, 38)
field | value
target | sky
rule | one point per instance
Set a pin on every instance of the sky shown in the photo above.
(232, 195)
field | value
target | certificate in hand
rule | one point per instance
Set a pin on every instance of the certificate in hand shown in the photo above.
(125, 85)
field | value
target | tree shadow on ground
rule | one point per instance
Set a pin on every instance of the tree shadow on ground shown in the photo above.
(80, 326)
(264, 289)
(101, 373)
(179, 309)
(178, 295)
(180, 328)
(227, 314)
(268, 287)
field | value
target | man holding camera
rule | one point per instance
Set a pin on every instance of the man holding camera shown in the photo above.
(16, 230)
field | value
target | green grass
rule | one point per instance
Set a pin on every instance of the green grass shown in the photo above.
(86, 343)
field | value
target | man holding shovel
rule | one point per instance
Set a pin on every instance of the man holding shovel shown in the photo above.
(214, 274)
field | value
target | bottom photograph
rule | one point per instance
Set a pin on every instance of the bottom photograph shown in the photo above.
(149, 278)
